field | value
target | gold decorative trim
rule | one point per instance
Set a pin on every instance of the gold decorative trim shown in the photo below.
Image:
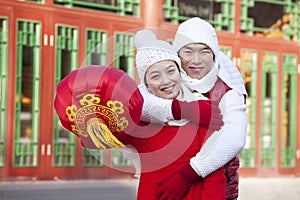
(91, 107)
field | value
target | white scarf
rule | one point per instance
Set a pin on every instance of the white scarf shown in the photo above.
(229, 73)
(204, 84)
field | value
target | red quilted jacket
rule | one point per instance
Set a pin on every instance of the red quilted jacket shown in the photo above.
(232, 176)
(231, 168)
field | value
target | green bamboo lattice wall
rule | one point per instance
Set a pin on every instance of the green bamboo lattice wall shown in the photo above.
(249, 73)
(27, 94)
(96, 47)
(3, 85)
(288, 111)
(124, 53)
(220, 13)
(64, 151)
(122, 7)
(268, 138)
(271, 18)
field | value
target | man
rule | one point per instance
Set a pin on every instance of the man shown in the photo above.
(205, 69)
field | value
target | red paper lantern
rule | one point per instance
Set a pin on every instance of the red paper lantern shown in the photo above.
(98, 104)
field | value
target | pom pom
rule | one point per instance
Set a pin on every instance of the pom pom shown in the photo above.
(143, 38)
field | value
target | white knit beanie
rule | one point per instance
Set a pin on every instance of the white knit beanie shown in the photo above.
(150, 51)
(196, 30)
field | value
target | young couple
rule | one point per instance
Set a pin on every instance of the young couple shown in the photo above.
(185, 84)
(193, 114)
(203, 69)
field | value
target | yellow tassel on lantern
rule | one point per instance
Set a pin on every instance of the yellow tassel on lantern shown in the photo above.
(101, 135)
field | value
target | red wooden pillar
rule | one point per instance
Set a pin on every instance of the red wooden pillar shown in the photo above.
(152, 13)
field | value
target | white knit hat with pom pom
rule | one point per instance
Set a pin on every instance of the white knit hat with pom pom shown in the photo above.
(150, 50)
(196, 30)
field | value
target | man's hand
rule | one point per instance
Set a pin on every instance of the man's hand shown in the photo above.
(177, 184)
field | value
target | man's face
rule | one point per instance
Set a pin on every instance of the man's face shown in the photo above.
(196, 59)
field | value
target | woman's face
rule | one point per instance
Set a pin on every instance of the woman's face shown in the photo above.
(163, 79)
(196, 59)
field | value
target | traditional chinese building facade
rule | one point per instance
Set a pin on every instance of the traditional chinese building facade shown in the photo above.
(41, 41)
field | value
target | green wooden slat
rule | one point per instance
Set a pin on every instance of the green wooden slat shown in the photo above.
(3, 86)
(227, 51)
(291, 30)
(122, 7)
(96, 46)
(222, 21)
(60, 157)
(249, 72)
(288, 126)
(124, 49)
(64, 152)
(269, 110)
(93, 158)
(118, 159)
(28, 44)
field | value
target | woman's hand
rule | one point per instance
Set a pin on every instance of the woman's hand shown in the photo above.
(203, 112)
